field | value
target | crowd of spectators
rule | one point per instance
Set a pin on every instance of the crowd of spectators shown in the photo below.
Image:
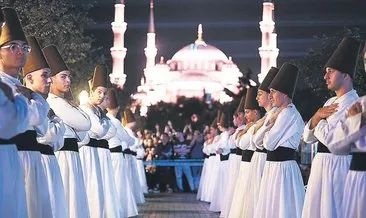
(171, 144)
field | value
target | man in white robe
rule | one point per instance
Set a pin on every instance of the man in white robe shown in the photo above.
(36, 74)
(76, 123)
(14, 120)
(14, 45)
(325, 187)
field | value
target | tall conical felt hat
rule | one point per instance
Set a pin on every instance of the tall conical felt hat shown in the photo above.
(286, 80)
(219, 113)
(35, 59)
(214, 123)
(100, 77)
(54, 59)
(345, 57)
(11, 29)
(251, 102)
(113, 101)
(268, 79)
(224, 120)
(240, 108)
(128, 116)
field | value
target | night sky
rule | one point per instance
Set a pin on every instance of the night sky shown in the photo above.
(230, 25)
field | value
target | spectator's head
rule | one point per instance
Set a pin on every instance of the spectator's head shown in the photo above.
(189, 136)
(149, 143)
(179, 136)
(164, 138)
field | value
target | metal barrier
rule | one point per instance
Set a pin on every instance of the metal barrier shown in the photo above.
(185, 162)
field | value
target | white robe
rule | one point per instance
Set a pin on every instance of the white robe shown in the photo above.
(128, 206)
(77, 123)
(91, 163)
(34, 176)
(111, 205)
(255, 171)
(243, 142)
(221, 180)
(282, 191)
(202, 188)
(55, 139)
(350, 137)
(141, 168)
(233, 171)
(325, 187)
(13, 121)
(131, 162)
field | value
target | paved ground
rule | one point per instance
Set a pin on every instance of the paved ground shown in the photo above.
(176, 205)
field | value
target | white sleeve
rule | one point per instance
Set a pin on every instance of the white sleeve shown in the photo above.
(99, 127)
(13, 115)
(38, 110)
(346, 132)
(54, 134)
(244, 141)
(71, 116)
(308, 135)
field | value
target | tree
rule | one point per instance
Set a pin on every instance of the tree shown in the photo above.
(61, 23)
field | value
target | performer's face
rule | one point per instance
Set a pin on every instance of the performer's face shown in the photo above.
(262, 98)
(334, 78)
(277, 98)
(105, 102)
(240, 119)
(61, 81)
(213, 131)
(13, 55)
(251, 115)
(39, 81)
(97, 95)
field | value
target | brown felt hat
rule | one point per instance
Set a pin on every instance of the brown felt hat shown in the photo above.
(35, 59)
(100, 77)
(11, 28)
(54, 59)
(251, 102)
(268, 79)
(286, 80)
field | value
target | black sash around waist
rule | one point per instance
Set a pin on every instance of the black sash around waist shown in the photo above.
(212, 154)
(26, 141)
(233, 151)
(358, 161)
(239, 151)
(117, 149)
(102, 143)
(322, 148)
(128, 151)
(205, 156)
(247, 155)
(45, 149)
(281, 154)
(224, 157)
(261, 151)
(70, 144)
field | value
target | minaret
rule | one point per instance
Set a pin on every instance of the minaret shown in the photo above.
(268, 51)
(118, 51)
(151, 50)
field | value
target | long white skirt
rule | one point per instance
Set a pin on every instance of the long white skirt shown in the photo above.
(206, 195)
(142, 175)
(214, 178)
(233, 171)
(252, 186)
(200, 192)
(239, 194)
(125, 196)
(36, 188)
(111, 204)
(133, 176)
(282, 191)
(92, 174)
(325, 188)
(72, 178)
(220, 187)
(12, 188)
(354, 198)
(55, 186)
